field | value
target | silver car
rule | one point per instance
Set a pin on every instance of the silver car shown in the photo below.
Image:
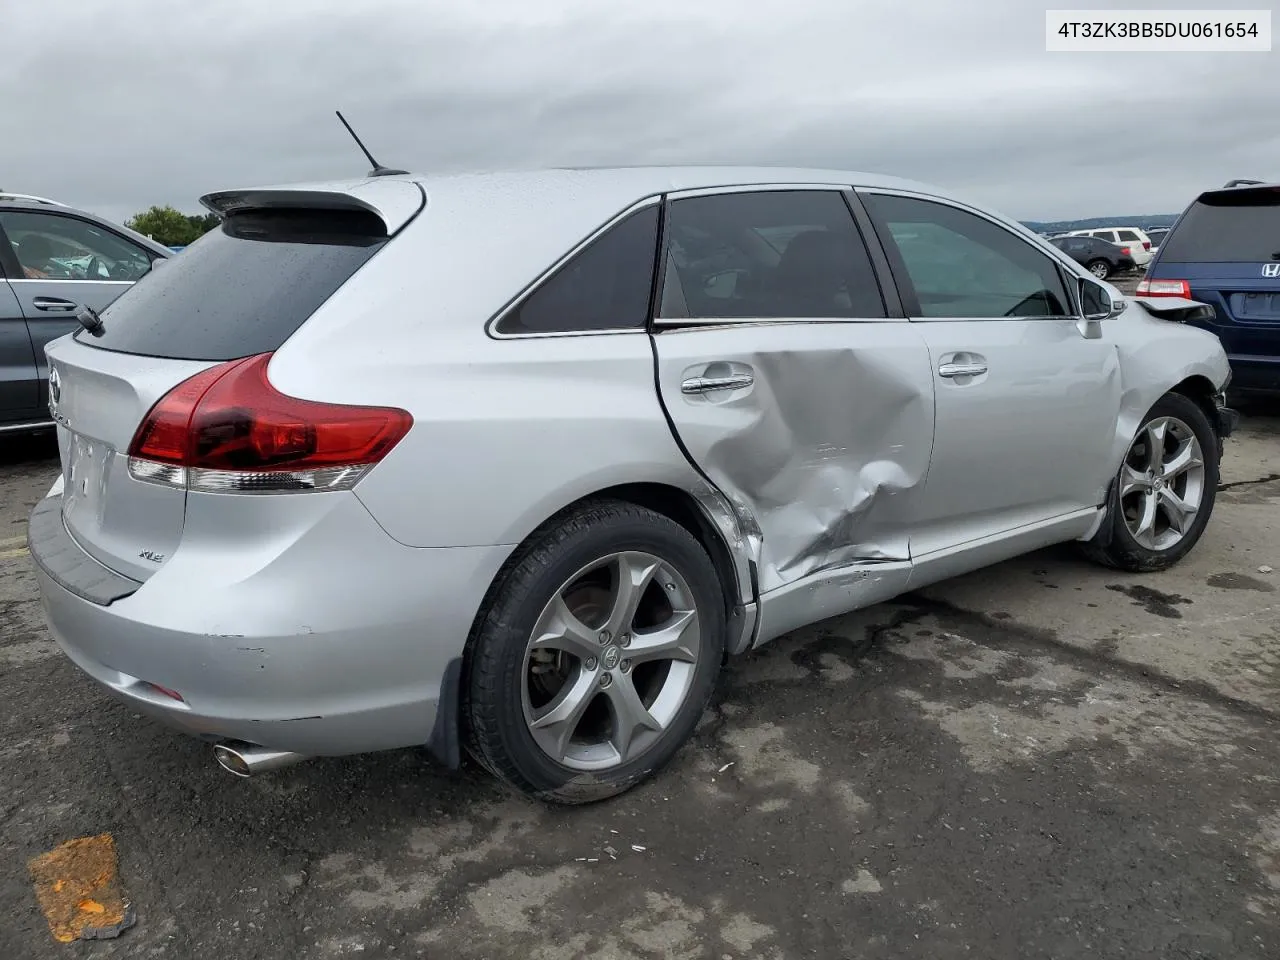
(512, 463)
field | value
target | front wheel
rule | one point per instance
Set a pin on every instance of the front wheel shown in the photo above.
(596, 655)
(1163, 496)
(1099, 268)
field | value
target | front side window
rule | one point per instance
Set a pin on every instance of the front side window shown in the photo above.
(605, 286)
(962, 265)
(768, 255)
(52, 247)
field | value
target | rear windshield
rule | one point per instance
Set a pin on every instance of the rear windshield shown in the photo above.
(1227, 227)
(243, 288)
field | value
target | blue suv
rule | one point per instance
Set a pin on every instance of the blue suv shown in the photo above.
(1224, 250)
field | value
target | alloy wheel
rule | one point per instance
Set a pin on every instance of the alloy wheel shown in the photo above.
(1162, 483)
(610, 661)
(1100, 270)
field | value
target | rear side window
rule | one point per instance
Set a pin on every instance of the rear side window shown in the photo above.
(1227, 227)
(770, 255)
(242, 289)
(606, 286)
(1128, 236)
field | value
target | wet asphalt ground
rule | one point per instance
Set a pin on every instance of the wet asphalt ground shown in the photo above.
(1043, 759)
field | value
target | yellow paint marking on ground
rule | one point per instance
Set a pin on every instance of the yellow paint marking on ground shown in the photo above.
(19, 552)
(11, 542)
(78, 889)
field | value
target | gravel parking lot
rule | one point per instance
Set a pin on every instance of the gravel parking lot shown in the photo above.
(1043, 759)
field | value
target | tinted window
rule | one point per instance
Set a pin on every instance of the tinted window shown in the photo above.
(1155, 236)
(1226, 227)
(1128, 236)
(605, 287)
(51, 247)
(241, 289)
(962, 265)
(771, 254)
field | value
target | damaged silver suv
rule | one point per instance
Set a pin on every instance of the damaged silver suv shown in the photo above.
(511, 463)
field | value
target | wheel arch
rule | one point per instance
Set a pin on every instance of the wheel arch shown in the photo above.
(680, 506)
(684, 508)
(1199, 388)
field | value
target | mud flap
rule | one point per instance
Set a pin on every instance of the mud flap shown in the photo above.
(445, 742)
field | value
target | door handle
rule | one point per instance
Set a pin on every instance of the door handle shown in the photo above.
(56, 304)
(962, 369)
(707, 384)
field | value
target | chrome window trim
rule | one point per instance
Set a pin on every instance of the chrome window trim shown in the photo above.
(668, 323)
(491, 325)
(762, 320)
(72, 280)
(1044, 246)
(763, 187)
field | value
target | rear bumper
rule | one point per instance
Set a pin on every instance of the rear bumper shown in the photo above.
(1254, 374)
(343, 641)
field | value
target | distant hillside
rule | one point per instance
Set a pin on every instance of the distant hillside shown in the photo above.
(1061, 226)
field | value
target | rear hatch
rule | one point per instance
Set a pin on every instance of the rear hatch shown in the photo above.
(240, 291)
(1226, 247)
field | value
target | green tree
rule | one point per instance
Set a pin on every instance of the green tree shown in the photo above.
(172, 227)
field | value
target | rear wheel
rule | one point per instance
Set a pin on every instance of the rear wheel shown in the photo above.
(1099, 268)
(1163, 496)
(596, 654)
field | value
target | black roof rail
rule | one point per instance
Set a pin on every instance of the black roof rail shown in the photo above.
(1241, 183)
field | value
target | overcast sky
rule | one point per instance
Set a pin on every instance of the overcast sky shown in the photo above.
(117, 104)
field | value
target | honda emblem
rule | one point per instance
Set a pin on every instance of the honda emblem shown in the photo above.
(1271, 269)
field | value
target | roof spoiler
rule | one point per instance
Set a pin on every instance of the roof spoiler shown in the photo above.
(395, 202)
(1242, 183)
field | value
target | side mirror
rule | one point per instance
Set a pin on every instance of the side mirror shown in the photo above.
(1096, 302)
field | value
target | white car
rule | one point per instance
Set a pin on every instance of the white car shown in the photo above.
(1132, 237)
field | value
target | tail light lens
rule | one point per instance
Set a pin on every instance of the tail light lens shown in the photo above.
(1125, 252)
(1163, 288)
(1146, 244)
(227, 429)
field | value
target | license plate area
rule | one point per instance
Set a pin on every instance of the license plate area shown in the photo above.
(84, 476)
(1256, 307)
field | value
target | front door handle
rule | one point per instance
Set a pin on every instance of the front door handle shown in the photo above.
(962, 369)
(707, 384)
(54, 304)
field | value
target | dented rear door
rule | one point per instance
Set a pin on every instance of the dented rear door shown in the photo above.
(788, 381)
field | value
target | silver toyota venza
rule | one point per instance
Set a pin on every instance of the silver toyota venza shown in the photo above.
(511, 463)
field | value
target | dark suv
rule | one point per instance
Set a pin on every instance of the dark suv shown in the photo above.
(1225, 251)
(1100, 257)
(54, 260)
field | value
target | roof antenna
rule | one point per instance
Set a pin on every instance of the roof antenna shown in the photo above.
(378, 169)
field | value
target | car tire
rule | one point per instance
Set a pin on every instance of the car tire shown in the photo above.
(538, 711)
(1187, 472)
(1099, 268)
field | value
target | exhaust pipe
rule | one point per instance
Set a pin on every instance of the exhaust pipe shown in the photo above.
(247, 759)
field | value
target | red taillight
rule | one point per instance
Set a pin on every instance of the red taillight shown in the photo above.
(1163, 288)
(1146, 244)
(227, 428)
(1125, 252)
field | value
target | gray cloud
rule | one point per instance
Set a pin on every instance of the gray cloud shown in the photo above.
(157, 102)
